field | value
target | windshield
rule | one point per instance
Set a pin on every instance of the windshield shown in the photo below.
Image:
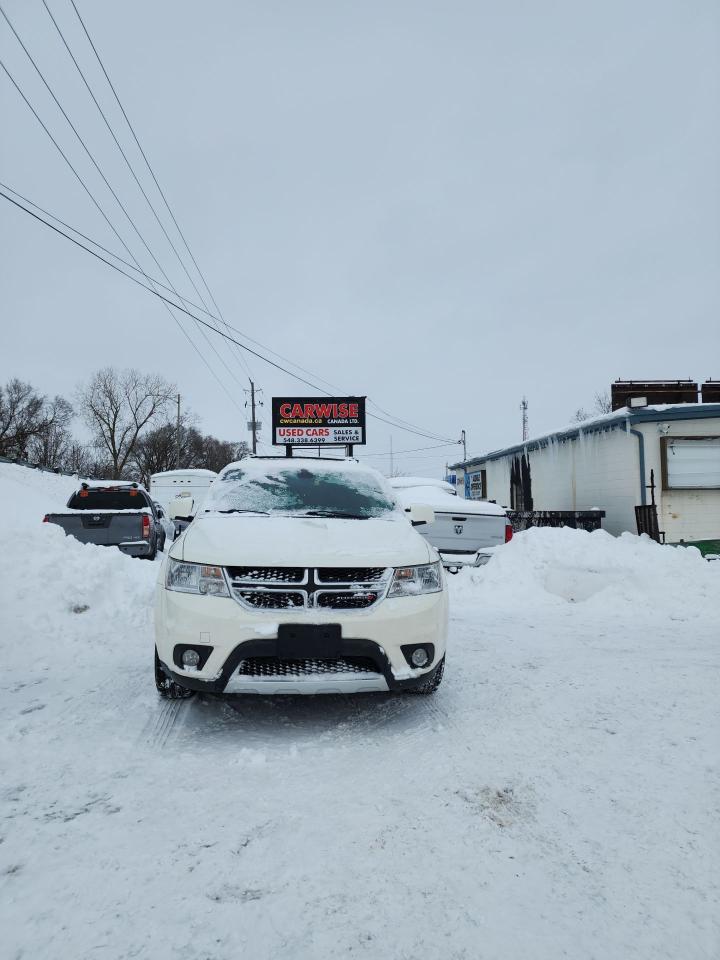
(300, 491)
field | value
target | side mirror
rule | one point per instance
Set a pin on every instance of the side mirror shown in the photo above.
(420, 514)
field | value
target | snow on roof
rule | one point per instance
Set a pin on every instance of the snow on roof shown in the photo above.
(654, 412)
(266, 466)
(184, 473)
(400, 483)
(443, 502)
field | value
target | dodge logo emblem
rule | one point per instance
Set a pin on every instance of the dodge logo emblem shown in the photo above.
(458, 529)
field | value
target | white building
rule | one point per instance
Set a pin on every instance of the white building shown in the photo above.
(609, 463)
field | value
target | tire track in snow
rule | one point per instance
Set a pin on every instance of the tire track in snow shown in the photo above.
(159, 729)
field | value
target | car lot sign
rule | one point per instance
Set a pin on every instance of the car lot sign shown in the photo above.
(318, 421)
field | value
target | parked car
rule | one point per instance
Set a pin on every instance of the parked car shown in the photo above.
(166, 523)
(301, 575)
(464, 532)
(112, 513)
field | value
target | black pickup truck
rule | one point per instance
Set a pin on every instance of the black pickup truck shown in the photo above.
(113, 514)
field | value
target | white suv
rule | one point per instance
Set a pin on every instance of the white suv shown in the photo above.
(301, 575)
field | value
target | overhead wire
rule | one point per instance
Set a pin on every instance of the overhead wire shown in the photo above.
(155, 292)
(93, 198)
(147, 163)
(159, 295)
(220, 316)
(389, 419)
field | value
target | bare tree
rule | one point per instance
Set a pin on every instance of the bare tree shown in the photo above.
(50, 445)
(157, 449)
(79, 459)
(118, 406)
(602, 402)
(601, 405)
(22, 415)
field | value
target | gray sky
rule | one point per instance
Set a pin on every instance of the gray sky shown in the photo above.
(441, 205)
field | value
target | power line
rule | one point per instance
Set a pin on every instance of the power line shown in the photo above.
(220, 316)
(179, 307)
(393, 421)
(94, 200)
(398, 453)
(132, 169)
(148, 165)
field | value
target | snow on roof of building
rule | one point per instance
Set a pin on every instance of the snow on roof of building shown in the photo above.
(663, 411)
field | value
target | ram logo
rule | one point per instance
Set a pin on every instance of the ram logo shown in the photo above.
(458, 529)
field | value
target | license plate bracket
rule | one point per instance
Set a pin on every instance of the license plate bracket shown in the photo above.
(299, 641)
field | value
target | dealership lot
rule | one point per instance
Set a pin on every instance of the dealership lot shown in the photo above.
(554, 798)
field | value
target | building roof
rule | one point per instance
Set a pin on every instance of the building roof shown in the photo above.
(608, 421)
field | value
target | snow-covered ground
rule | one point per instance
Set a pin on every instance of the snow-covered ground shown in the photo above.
(558, 797)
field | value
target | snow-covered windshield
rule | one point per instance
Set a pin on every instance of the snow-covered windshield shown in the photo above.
(296, 490)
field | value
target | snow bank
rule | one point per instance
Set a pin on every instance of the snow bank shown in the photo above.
(28, 494)
(605, 573)
(51, 585)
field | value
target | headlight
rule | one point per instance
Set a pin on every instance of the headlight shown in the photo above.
(195, 578)
(411, 581)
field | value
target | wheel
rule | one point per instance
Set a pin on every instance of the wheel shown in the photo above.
(167, 688)
(161, 546)
(153, 552)
(432, 681)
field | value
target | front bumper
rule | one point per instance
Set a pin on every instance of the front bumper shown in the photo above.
(227, 634)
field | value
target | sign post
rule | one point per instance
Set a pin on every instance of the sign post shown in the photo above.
(318, 422)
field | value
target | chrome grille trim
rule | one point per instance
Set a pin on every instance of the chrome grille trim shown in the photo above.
(351, 589)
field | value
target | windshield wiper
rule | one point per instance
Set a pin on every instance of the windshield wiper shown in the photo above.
(264, 513)
(334, 515)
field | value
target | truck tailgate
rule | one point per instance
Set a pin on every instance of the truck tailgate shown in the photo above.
(105, 529)
(464, 532)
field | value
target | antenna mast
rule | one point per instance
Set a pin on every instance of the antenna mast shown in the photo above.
(524, 408)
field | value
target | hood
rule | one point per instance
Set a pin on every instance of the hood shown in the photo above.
(237, 540)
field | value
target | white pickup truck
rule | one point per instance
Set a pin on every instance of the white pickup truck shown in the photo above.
(465, 532)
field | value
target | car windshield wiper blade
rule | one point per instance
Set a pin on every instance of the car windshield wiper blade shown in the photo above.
(264, 513)
(335, 514)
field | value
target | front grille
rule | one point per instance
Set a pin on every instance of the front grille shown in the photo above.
(350, 574)
(272, 599)
(346, 601)
(273, 667)
(268, 574)
(290, 588)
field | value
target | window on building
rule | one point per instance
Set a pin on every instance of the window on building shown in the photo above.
(690, 463)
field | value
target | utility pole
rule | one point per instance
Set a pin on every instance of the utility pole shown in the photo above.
(253, 425)
(464, 444)
(177, 436)
(524, 408)
(254, 421)
(391, 456)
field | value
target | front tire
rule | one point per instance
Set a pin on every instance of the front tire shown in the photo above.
(167, 688)
(432, 681)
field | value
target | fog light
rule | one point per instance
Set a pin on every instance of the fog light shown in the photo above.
(191, 658)
(419, 657)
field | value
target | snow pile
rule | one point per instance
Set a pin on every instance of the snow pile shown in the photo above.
(27, 495)
(54, 587)
(556, 566)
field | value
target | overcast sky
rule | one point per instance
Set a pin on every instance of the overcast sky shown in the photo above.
(441, 205)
